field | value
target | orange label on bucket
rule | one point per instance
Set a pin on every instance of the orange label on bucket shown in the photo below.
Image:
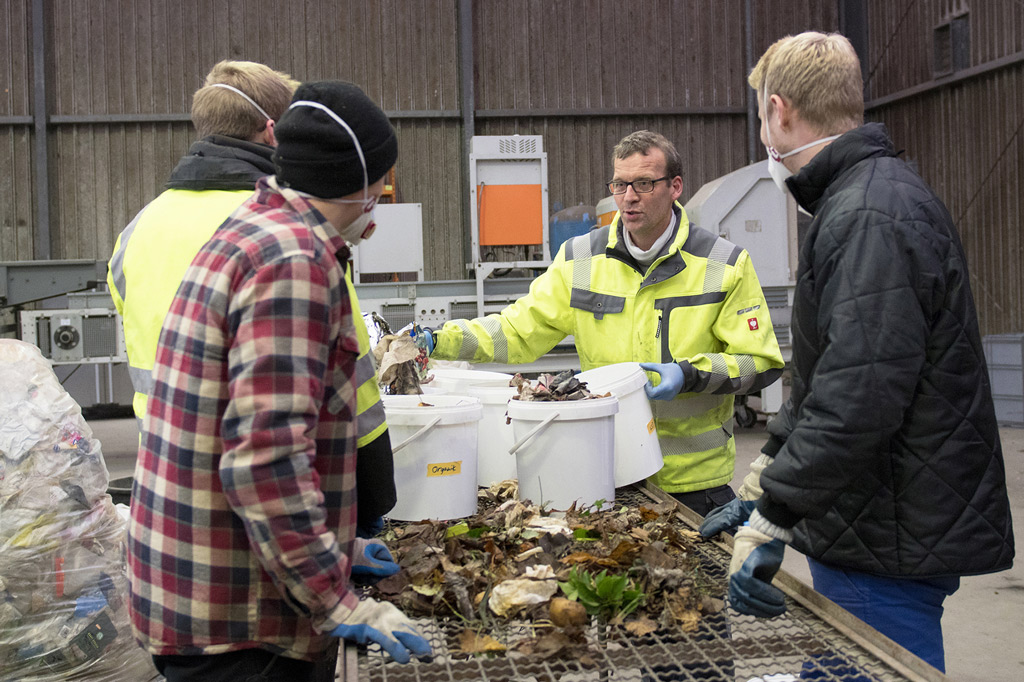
(444, 469)
(650, 426)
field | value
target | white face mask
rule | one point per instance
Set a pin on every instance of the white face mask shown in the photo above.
(362, 227)
(776, 168)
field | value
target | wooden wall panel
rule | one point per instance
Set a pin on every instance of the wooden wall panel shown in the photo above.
(16, 198)
(427, 172)
(965, 136)
(16, 195)
(103, 175)
(583, 55)
(901, 38)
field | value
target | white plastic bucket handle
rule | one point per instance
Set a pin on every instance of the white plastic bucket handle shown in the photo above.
(533, 432)
(426, 427)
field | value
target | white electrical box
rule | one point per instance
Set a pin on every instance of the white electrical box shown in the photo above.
(396, 246)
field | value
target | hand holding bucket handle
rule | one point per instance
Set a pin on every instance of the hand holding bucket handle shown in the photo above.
(426, 427)
(533, 432)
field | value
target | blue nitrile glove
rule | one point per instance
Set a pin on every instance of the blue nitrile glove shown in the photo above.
(371, 561)
(379, 622)
(671, 380)
(424, 337)
(728, 517)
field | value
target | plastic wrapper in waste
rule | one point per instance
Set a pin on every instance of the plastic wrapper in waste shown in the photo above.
(63, 582)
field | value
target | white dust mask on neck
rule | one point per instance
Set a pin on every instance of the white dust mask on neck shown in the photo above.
(776, 168)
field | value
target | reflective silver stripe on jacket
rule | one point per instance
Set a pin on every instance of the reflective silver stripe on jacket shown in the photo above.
(365, 369)
(714, 275)
(369, 420)
(702, 442)
(142, 379)
(748, 381)
(117, 260)
(687, 406)
(373, 416)
(470, 344)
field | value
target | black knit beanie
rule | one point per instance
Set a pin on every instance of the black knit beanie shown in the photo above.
(316, 155)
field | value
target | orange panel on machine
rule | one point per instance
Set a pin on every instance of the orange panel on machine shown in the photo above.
(510, 215)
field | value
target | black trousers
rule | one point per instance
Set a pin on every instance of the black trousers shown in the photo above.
(703, 501)
(247, 665)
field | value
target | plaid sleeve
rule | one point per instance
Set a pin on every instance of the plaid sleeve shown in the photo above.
(278, 360)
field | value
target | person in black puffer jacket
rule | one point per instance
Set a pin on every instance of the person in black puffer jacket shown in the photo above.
(885, 466)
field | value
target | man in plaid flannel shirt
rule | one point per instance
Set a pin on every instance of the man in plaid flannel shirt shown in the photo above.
(242, 532)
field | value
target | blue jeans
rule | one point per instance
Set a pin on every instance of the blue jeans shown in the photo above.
(907, 611)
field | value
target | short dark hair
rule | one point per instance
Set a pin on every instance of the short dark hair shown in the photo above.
(641, 142)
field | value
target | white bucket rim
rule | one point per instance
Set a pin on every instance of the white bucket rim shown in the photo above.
(491, 395)
(405, 410)
(470, 377)
(568, 410)
(620, 379)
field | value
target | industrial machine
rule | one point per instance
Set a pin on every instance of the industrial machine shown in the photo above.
(73, 323)
(508, 176)
(746, 208)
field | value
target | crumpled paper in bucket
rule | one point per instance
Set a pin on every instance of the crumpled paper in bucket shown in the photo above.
(398, 360)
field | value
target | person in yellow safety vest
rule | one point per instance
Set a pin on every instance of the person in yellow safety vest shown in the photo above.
(234, 112)
(654, 289)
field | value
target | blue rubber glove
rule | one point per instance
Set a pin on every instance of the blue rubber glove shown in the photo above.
(424, 337)
(371, 561)
(671, 380)
(378, 622)
(728, 517)
(756, 559)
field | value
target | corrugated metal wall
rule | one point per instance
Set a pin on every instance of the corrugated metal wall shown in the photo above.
(582, 73)
(967, 136)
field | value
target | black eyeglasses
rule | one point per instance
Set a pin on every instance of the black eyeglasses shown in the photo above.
(639, 186)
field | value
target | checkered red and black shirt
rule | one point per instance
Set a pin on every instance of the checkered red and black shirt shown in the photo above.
(244, 504)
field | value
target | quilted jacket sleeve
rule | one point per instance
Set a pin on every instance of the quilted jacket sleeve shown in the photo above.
(872, 290)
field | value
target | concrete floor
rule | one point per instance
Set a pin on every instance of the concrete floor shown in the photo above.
(982, 623)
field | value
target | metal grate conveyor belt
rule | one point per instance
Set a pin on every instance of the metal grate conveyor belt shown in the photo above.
(813, 640)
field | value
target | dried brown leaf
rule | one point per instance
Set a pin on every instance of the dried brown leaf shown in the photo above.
(478, 643)
(641, 626)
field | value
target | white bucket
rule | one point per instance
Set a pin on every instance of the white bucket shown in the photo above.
(565, 451)
(637, 451)
(435, 455)
(493, 461)
(457, 380)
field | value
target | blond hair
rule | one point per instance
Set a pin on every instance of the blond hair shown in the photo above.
(819, 74)
(641, 142)
(219, 111)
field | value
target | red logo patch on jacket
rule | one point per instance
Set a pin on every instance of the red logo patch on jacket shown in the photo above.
(752, 323)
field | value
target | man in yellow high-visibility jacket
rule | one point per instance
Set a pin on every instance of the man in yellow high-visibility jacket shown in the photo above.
(234, 113)
(654, 289)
